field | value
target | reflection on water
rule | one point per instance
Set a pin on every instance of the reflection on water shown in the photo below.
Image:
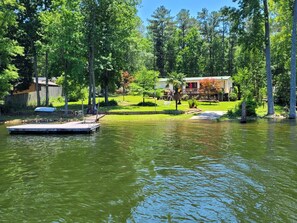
(152, 172)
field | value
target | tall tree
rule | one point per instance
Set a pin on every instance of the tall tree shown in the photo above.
(90, 8)
(28, 35)
(292, 113)
(268, 60)
(63, 31)
(9, 47)
(252, 20)
(117, 20)
(209, 23)
(160, 28)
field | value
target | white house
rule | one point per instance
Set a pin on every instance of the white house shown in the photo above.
(193, 84)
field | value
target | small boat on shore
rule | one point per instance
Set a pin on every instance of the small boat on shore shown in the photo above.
(45, 109)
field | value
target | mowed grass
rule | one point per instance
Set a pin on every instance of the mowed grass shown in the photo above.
(262, 110)
(129, 103)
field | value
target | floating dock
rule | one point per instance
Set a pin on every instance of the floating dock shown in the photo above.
(66, 128)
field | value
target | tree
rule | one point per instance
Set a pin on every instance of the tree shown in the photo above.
(281, 29)
(125, 82)
(177, 81)
(209, 87)
(63, 31)
(268, 60)
(251, 11)
(28, 36)
(292, 113)
(9, 47)
(185, 23)
(117, 20)
(89, 8)
(209, 23)
(190, 58)
(161, 29)
(146, 80)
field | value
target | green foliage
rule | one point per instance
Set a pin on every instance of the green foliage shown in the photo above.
(135, 89)
(233, 96)
(59, 100)
(154, 93)
(148, 104)
(251, 106)
(146, 78)
(76, 91)
(9, 48)
(146, 81)
(177, 81)
(109, 103)
(251, 72)
(115, 25)
(193, 103)
(161, 30)
(6, 76)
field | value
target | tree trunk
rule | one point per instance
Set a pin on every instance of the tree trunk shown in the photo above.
(106, 93)
(66, 87)
(90, 90)
(292, 113)
(92, 73)
(36, 77)
(46, 79)
(268, 61)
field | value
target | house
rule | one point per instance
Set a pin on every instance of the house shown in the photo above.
(193, 85)
(29, 96)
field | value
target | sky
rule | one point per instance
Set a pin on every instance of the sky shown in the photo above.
(147, 7)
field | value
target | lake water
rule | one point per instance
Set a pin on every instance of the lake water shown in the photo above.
(169, 171)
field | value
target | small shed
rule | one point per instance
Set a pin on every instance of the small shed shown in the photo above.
(29, 97)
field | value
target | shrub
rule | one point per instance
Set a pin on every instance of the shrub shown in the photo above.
(232, 96)
(159, 93)
(109, 103)
(148, 103)
(231, 114)
(193, 103)
(251, 106)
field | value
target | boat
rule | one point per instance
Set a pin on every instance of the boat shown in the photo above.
(45, 109)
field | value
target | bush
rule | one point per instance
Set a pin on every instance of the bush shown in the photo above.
(193, 103)
(232, 96)
(251, 106)
(231, 114)
(148, 103)
(109, 103)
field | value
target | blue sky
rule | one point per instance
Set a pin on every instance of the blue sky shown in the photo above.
(147, 7)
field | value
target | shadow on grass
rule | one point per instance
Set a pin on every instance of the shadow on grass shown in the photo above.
(208, 104)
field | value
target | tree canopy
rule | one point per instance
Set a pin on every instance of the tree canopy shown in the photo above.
(90, 43)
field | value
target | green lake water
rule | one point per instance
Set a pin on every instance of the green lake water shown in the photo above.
(169, 171)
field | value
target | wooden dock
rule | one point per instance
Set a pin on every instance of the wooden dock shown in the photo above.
(66, 128)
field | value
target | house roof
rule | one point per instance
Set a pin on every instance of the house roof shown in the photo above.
(42, 81)
(198, 78)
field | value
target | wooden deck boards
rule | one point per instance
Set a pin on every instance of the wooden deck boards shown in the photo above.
(70, 128)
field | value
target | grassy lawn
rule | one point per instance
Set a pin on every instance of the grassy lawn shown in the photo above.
(130, 104)
(262, 110)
